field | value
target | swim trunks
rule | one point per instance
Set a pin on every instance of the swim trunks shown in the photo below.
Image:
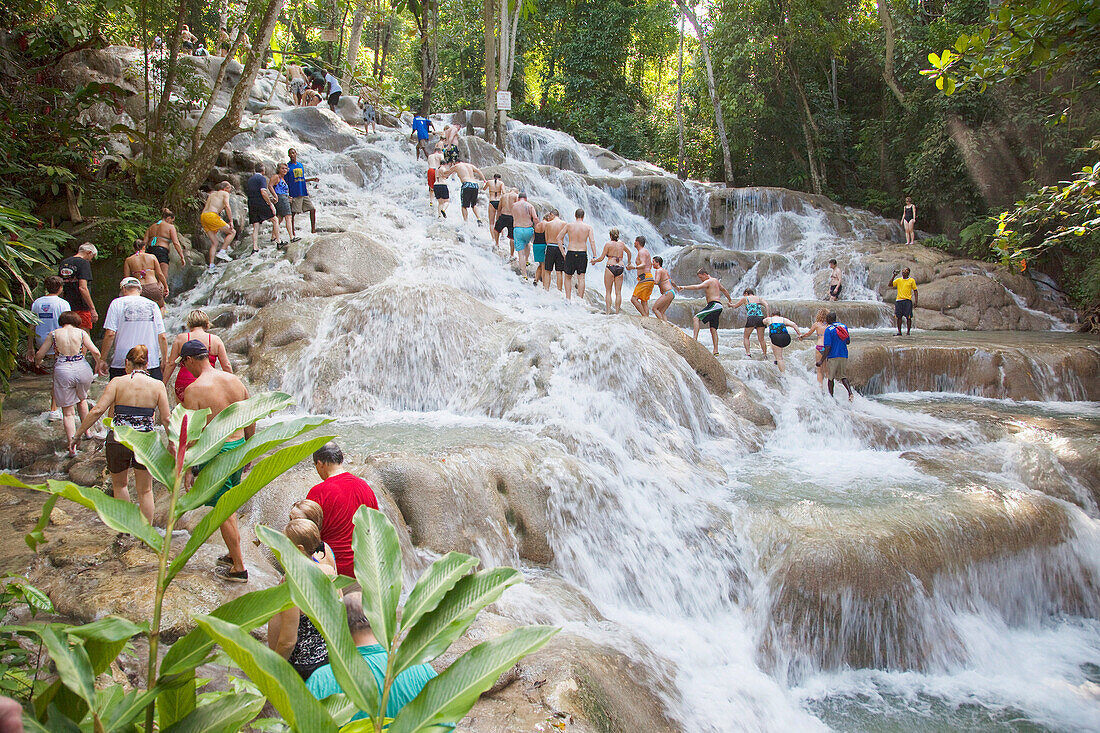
(233, 479)
(300, 204)
(154, 292)
(576, 263)
(754, 322)
(837, 367)
(834, 291)
(554, 260)
(903, 308)
(211, 222)
(450, 154)
(522, 237)
(161, 253)
(469, 195)
(441, 191)
(297, 87)
(644, 289)
(779, 335)
(710, 314)
(505, 221)
(431, 178)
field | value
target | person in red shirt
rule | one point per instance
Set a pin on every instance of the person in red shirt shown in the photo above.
(340, 495)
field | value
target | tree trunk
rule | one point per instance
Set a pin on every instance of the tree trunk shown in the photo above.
(198, 167)
(509, 26)
(488, 16)
(169, 78)
(351, 62)
(680, 106)
(429, 52)
(145, 151)
(816, 177)
(888, 64)
(219, 82)
(809, 129)
(727, 165)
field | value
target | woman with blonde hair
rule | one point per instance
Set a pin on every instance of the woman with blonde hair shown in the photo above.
(312, 511)
(133, 400)
(818, 329)
(198, 326)
(291, 633)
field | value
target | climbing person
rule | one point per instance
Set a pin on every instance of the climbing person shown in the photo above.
(340, 495)
(72, 374)
(835, 353)
(300, 202)
(441, 190)
(366, 109)
(666, 287)
(435, 160)
(187, 38)
(138, 400)
(131, 321)
(279, 189)
(450, 143)
(779, 335)
(494, 189)
(217, 201)
(332, 90)
(755, 308)
(216, 390)
(312, 511)
(422, 128)
(76, 275)
(296, 82)
(818, 330)
(581, 240)
(524, 217)
(405, 686)
(505, 221)
(909, 220)
(472, 180)
(538, 249)
(198, 329)
(713, 289)
(906, 299)
(261, 206)
(47, 309)
(157, 238)
(644, 266)
(835, 281)
(554, 264)
(290, 633)
(617, 255)
(146, 269)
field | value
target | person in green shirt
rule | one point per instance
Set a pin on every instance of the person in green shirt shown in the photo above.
(408, 684)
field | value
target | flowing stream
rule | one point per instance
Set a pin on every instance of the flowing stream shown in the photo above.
(905, 562)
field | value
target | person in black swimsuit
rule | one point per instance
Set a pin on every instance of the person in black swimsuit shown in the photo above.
(909, 220)
(614, 251)
(291, 633)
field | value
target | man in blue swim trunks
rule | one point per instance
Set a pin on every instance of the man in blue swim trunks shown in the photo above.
(524, 217)
(472, 180)
(422, 128)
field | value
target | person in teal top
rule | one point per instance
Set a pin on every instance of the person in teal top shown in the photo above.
(408, 684)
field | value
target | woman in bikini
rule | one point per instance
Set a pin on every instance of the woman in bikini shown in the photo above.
(157, 238)
(198, 327)
(146, 268)
(138, 401)
(818, 329)
(614, 252)
(909, 220)
(72, 374)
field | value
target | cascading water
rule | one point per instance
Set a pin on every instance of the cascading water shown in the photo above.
(874, 566)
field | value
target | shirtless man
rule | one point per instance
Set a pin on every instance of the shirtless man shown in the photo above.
(296, 82)
(494, 189)
(581, 240)
(644, 266)
(835, 281)
(667, 288)
(505, 221)
(217, 201)
(450, 143)
(713, 289)
(524, 217)
(555, 250)
(614, 252)
(434, 161)
(472, 179)
(217, 390)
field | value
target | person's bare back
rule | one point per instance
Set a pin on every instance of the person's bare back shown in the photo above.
(467, 173)
(215, 390)
(143, 266)
(523, 214)
(580, 234)
(435, 159)
(555, 231)
(216, 202)
(510, 197)
(450, 135)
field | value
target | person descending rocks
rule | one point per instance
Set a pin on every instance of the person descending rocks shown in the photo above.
(581, 241)
(713, 289)
(644, 266)
(906, 299)
(836, 283)
(779, 335)
(72, 374)
(755, 308)
(835, 353)
(217, 201)
(300, 202)
(666, 287)
(524, 217)
(617, 255)
(158, 237)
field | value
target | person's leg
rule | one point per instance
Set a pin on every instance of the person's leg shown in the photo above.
(143, 483)
(82, 412)
(696, 324)
(465, 214)
(714, 339)
(608, 283)
(289, 224)
(778, 352)
(580, 285)
(231, 534)
(545, 277)
(522, 259)
(851, 395)
(255, 236)
(899, 320)
(830, 388)
(748, 332)
(820, 375)
(568, 286)
(637, 303)
(213, 246)
(763, 343)
(118, 485)
(313, 221)
(619, 294)
(274, 229)
(68, 417)
(908, 325)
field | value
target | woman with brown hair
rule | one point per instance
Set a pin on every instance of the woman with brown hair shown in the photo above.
(138, 401)
(311, 510)
(72, 374)
(818, 329)
(157, 238)
(146, 268)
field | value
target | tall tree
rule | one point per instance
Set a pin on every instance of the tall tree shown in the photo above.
(169, 77)
(727, 165)
(489, 18)
(680, 106)
(887, 22)
(506, 59)
(352, 58)
(425, 14)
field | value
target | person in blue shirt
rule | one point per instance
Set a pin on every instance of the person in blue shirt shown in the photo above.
(405, 687)
(299, 194)
(835, 353)
(422, 127)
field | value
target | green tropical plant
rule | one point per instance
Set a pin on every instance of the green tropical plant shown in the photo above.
(15, 659)
(80, 653)
(440, 608)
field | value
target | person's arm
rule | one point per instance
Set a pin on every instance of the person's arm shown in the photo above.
(287, 637)
(126, 267)
(222, 355)
(824, 355)
(765, 305)
(101, 406)
(87, 341)
(697, 286)
(44, 349)
(602, 255)
(740, 302)
(164, 412)
(722, 288)
(87, 296)
(170, 365)
(162, 339)
(228, 213)
(591, 241)
(914, 294)
(105, 351)
(792, 324)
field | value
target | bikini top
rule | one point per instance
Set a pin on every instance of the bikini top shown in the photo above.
(754, 309)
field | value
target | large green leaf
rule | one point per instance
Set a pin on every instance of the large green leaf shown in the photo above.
(227, 714)
(149, 452)
(105, 639)
(433, 584)
(37, 535)
(121, 516)
(72, 663)
(378, 570)
(314, 594)
(447, 698)
(272, 674)
(214, 473)
(340, 708)
(233, 418)
(438, 629)
(196, 419)
(123, 710)
(263, 473)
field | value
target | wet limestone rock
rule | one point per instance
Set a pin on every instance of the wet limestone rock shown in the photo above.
(320, 126)
(472, 149)
(697, 356)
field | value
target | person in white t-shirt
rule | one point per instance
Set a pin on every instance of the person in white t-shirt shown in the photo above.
(334, 90)
(132, 320)
(48, 308)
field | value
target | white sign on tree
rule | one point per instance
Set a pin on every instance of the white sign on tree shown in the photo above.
(504, 101)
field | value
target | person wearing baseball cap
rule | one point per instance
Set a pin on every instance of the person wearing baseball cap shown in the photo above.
(132, 321)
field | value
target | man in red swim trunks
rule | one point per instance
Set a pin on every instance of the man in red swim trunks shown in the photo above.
(434, 161)
(340, 495)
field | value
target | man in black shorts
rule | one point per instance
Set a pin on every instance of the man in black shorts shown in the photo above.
(441, 191)
(554, 229)
(505, 220)
(581, 239)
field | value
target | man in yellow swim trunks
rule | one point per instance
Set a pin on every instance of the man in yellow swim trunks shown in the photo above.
(217, 201)
(644, 266)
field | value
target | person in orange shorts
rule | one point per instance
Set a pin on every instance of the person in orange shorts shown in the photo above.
(217, 201)
(644, 265)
